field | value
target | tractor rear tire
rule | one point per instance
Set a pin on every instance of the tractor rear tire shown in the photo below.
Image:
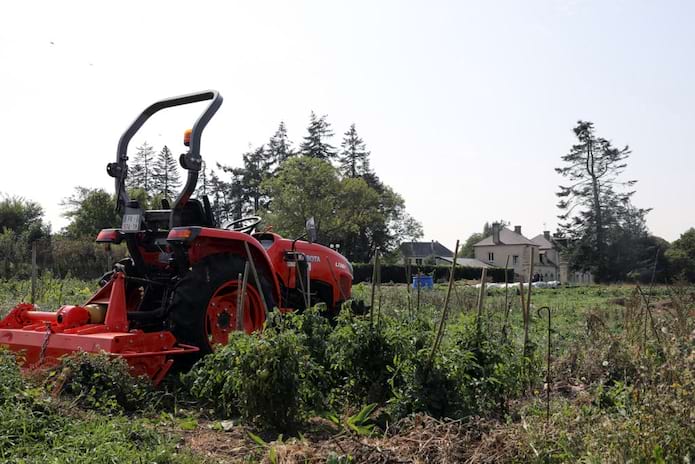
(203, 306)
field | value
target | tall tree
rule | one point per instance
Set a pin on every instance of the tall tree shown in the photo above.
(24, 217)
(229, 198)
(315, 143)
(89, 211)
(279, 147)
(682, 255)
(354, 157)
(166, 179)
(140, 170)
(595, 205)
(304, 187)
(203, 180)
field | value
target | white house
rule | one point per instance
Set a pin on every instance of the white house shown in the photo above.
(510, 248)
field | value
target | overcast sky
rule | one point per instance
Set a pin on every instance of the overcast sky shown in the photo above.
(465, 106)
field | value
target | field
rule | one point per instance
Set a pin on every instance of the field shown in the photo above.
(370, 388)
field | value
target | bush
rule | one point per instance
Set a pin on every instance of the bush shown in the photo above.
(470, 374)
(100, 382)
(396, 273)
(268, 378)
(361, 355)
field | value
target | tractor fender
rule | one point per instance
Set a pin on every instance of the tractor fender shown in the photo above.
(210, 241)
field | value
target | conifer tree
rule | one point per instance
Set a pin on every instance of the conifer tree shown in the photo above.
(279, 147)
(595, 207)
(166, 179)
(315, 142)
(140, 172)
(256, 170)
(354, 157)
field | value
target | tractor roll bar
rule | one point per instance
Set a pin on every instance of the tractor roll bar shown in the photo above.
(191, 161)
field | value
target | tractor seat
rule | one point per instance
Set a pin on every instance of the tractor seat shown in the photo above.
(192, 214)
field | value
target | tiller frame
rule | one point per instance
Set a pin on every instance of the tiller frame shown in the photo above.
(44, 337)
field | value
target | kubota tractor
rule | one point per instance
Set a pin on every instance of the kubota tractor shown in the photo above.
(188, 281)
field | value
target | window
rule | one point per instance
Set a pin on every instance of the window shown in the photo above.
(418, 261)
(515, 260)
(541, 257)
(490, 256)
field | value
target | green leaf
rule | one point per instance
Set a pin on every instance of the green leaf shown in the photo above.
(189, 423)
(258, 440)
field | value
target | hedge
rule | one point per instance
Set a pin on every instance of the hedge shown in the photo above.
(395, 273)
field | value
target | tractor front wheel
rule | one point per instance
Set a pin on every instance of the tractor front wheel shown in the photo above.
(205, 303)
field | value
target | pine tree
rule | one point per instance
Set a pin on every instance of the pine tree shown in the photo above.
(166, 179)
(279, 147)
(140, 172)
(256, 170)
(203, 181)
(354, 157)
(593, 210)
(315, 144)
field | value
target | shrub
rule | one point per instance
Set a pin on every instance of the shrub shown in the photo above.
(360, 354)
(268, 378)
(100, 382)
(470, 374)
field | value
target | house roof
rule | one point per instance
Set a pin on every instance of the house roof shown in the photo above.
(542, 242)
(468, 262)
(507, 237)
(425, 249)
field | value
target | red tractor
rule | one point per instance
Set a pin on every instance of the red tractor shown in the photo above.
(188, 281)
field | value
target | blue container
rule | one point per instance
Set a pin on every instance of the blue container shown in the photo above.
(426, 281)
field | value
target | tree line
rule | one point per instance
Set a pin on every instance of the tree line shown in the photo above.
(287, 183)
(600, 229)
(353, 209)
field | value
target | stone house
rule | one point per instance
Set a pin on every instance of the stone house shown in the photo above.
(511, 248)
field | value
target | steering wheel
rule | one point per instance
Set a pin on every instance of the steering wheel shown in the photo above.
(237, 224)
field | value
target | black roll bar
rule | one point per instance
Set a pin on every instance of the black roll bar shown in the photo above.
(190, 161)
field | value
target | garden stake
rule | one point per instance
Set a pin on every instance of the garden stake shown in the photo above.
(440, 331)
(527, 310)
(408, 281)
(33, 272)
(506, 298)
(481, 300)
(256, 279)
(242, 299)
(419, 275)
(239, 311)
(547, 371)
(374, 276)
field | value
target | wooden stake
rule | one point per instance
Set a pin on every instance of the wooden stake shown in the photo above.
(408, 282)
(242, 298)
(481, 301)
(33, 272)
(527, 310)
(440, 330)
(419, 277)
(249, 259)
(374, 277)
(506, 298)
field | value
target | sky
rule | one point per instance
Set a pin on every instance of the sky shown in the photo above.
(465, 106)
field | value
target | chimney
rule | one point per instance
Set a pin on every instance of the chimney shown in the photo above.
(517, 230)
(546, 235)
(496, 233)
